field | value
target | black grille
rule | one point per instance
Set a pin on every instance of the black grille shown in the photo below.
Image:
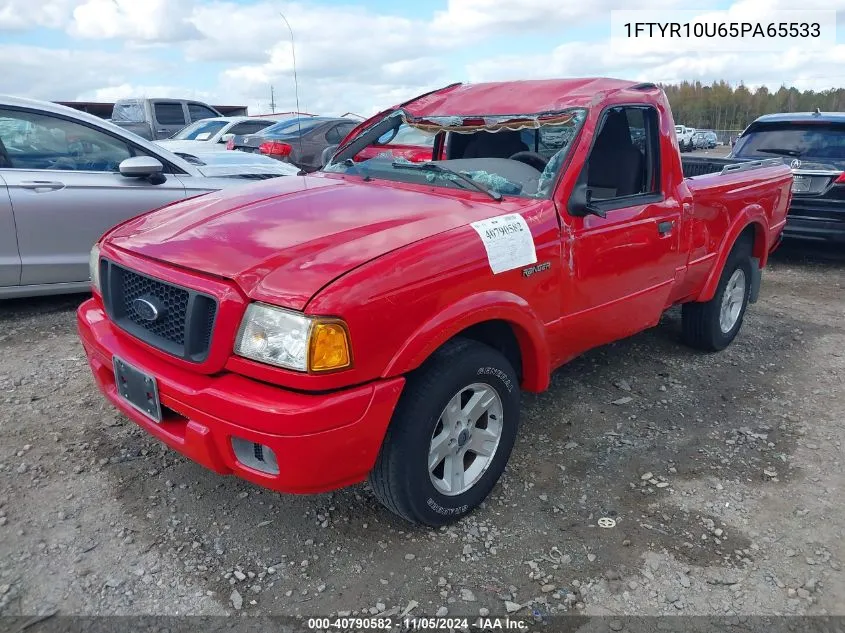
(171, 325)
(176, 320)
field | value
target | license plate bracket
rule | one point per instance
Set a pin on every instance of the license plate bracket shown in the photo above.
(138, 389)
(800, 184)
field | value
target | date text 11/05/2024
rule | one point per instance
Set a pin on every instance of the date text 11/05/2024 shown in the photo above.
(423, 623)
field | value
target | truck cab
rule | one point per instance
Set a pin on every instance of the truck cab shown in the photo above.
(379, 319)
(155, 119)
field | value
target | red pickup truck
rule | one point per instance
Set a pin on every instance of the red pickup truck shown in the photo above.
(380, 318)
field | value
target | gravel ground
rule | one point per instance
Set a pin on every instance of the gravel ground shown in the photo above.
(722, 475)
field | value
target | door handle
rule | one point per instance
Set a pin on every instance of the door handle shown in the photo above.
(665, 227)
(42, 185)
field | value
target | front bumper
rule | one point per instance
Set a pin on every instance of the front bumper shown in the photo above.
(321, 441)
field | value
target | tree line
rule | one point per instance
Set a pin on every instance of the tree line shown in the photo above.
(720, 106)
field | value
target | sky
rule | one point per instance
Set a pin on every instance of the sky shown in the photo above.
(358, 55)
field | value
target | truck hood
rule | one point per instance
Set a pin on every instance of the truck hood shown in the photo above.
(284, 239)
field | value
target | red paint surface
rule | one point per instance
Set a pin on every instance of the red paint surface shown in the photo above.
(401, 265)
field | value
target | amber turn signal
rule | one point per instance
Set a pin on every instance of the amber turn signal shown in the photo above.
(329, 349)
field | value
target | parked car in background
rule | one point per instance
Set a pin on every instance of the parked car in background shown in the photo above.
(298, 141)
(155, 119)
(380, 319)
(404, 142)
(685, 137)
(211, 135)
(704, 139)
(813, 144)
(67, 176)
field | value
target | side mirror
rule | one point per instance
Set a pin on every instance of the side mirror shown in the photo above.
(226, 138)
(580, 202)
(142, 167)
(327, 154)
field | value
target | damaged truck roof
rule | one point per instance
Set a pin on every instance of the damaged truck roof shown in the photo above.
(514, 97)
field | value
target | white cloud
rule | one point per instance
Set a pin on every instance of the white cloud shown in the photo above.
(135, 20)
(130, 90)
(24, 14)
(58, 74)
(347, 58)
(475, 18)
(794, 66)
(320, 96)
(352, 58)
(328, 39)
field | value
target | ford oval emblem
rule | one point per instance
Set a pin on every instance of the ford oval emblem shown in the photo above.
(147, 308)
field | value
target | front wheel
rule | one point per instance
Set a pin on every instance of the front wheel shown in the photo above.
(451, 435)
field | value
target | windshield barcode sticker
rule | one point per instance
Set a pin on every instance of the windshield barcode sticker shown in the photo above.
(508, 242)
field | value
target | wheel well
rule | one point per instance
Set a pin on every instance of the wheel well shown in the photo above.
(500, 336)
(753, 235)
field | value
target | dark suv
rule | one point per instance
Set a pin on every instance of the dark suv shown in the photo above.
(813, 144)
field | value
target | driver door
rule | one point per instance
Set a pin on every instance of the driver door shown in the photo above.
(66, 191)
(621, 266)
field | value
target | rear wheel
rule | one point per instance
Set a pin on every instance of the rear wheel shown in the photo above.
(451, 435)
(711, 326)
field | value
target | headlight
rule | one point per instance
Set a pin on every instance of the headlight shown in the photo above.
(94, 267)
(292, 340)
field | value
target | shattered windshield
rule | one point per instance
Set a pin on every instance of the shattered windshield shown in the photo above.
(128, 111)
(502, 155)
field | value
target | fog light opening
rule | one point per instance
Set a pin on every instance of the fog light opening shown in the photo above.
(255, 456)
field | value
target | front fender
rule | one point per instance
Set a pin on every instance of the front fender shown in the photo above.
(478, 308)
(751, 215)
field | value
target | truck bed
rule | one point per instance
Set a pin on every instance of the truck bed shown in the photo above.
(700, 165)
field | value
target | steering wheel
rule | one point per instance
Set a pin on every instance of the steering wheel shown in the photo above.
(65, 163)
(532, 159)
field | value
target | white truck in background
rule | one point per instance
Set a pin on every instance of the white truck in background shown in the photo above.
(685, 135)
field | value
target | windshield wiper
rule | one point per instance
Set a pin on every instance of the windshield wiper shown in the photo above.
(782, 151)
(495, 195)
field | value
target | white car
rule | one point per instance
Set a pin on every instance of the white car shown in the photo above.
(211, 135)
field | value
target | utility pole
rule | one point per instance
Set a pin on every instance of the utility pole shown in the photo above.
(272, 100)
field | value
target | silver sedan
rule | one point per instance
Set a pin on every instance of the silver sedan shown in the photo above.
(66, 177)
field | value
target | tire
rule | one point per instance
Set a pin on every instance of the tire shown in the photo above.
(702, 324)
(402, 479)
